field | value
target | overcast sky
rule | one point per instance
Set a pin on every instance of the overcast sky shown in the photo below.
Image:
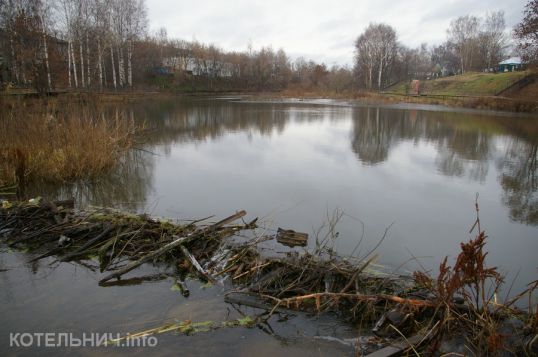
(321, 30)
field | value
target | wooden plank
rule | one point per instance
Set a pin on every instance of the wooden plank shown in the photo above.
(291, 238)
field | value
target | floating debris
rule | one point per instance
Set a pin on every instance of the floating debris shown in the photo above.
(405, 314)
(291, 238)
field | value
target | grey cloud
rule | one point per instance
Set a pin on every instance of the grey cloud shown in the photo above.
(317, 29)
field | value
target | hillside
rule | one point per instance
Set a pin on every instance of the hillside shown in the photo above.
(529, 92)
(469, 84)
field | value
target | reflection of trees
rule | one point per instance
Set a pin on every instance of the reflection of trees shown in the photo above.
(463, 141)
(450, 163)
(463, 145)
(191, 121)
(461, 151)
(179, 121)
(167, 122)
(464, 152)
(125, 187)
(374, 132)
(519, 180)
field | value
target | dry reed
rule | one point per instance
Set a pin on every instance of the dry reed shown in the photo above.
(60, 139)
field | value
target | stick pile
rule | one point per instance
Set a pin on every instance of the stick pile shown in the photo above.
(317, 282)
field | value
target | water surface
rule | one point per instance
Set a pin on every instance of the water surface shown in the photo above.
(415, 172)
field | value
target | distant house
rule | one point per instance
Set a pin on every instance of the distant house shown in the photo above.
(199, 67)
(510, 65)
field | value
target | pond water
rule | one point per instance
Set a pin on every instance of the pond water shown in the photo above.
(409, 174)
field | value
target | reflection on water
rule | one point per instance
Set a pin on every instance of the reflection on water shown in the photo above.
(464, 145)
(460, 152)
(380, 164)
(462, 149)
(64, 298)
(126, 187)
(291, 164)
(518, 179)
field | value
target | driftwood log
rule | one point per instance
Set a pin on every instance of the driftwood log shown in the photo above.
(291, 238)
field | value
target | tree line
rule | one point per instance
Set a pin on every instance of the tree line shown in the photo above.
(71, 43)
(472, 44)
(100, 44)
(197, 65)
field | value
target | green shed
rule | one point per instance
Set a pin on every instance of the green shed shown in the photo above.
(510, 65)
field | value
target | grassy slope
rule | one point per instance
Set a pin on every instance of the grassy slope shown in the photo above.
(469, 84)
(529, 92)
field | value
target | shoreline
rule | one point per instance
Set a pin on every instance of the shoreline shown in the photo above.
(480, 103)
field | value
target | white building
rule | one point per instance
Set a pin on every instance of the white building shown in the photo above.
(199, 67)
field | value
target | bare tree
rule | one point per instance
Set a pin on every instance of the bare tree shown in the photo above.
(26, 25)
(376, 50)
(365, 61)
(463, 33)
(99, 20)
(526, 32)
(43, 11)
(98, 43)
(282, 68)
(136, 25)
(414, 63)
(445, 59)
(161, 38)
(340, 79)
(492, 39)
(76, 27)
(7, 17)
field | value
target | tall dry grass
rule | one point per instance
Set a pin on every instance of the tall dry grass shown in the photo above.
(60, 139)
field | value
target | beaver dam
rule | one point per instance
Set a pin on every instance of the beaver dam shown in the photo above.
(455, 310)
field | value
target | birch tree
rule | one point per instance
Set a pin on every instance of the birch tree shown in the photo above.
(7, 22)
(463, 33)
(25, 24)
(99, 20)
(43, 11)
(135, 25)
(68, 9)
(118, 9)
(492, 39)
(375, 51)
